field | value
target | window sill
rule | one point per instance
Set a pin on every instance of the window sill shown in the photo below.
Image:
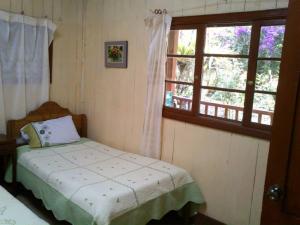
(219, 124)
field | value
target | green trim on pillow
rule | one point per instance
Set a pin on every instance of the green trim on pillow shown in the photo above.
(34, 139)
(52, 132)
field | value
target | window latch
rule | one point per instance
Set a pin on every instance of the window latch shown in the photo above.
(250, 83)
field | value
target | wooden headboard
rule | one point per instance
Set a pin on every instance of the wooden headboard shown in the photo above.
(48, 110)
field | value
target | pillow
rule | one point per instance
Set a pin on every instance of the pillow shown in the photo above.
(24, 136)
(21, 141)
(51, 132)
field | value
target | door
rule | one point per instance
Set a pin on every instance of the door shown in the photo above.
(281, 204)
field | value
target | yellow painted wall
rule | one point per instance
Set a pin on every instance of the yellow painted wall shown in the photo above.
(229, 168)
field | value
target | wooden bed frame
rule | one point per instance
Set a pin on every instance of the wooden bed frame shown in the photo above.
(48, 110)
(51, 110)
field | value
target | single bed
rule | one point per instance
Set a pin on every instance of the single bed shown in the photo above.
(13, 212)
(88, 183)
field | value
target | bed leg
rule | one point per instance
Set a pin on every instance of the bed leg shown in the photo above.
(186, 214)
(16, 189)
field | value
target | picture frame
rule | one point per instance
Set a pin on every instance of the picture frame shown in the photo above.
(116, 54)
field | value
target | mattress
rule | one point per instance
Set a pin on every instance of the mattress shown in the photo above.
(13, 212)
(91, 183)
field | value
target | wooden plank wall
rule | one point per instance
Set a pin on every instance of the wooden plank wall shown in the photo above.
(229, 168)
(67, 15)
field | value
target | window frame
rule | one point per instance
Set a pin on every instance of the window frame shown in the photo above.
(257, 19)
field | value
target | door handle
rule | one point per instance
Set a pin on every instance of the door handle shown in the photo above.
(275, 192)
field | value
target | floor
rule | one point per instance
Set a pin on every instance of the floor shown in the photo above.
(172, 218)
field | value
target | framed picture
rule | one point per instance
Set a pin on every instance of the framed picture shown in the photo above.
(116, 54)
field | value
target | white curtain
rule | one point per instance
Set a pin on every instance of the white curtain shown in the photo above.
(24, 64)
(159, 28)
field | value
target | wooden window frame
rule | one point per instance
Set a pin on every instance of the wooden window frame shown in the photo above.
(256, 19)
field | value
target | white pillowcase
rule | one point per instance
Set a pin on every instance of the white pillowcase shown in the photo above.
(24, 136)
(54, 132)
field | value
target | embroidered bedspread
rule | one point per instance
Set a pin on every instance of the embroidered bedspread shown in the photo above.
(13, 212)
(103, 181)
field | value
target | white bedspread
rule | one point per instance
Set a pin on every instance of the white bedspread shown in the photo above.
(103, 181)
(13, 212)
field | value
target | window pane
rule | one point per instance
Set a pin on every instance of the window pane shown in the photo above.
(228, 105)
(263, 108)
(271, 41)
(180, 69)
(182, 42)
(225, 72)
(179, 96)
(267, 75)
(228, 40)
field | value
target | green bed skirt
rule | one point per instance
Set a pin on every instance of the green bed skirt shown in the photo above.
(64, 209)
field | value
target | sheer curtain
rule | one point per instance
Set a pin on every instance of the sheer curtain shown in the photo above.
(159, 27)
(24, 64)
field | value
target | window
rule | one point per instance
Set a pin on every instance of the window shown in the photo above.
(222, 71)
(180, 69)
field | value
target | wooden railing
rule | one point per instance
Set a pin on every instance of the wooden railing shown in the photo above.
(219, 110)
(223, 111)
(182, 102)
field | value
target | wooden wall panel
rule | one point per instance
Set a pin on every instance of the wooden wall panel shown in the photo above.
(67, 15)
(225, 167)
(67, 53)
(38, 8)
(229, 168)
(5, 5)
(28, 7)
(15, 6)
(259, 182)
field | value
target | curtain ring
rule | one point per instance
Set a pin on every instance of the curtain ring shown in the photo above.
(159, 11)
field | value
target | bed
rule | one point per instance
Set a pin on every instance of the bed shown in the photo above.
(13, 212)
(89, 183)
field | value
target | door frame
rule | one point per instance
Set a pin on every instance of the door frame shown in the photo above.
(282, 130)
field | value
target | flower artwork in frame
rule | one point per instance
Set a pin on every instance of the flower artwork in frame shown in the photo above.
(116, 54)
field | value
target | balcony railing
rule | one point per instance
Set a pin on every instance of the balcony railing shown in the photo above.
(223, 111)
(182, 102)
